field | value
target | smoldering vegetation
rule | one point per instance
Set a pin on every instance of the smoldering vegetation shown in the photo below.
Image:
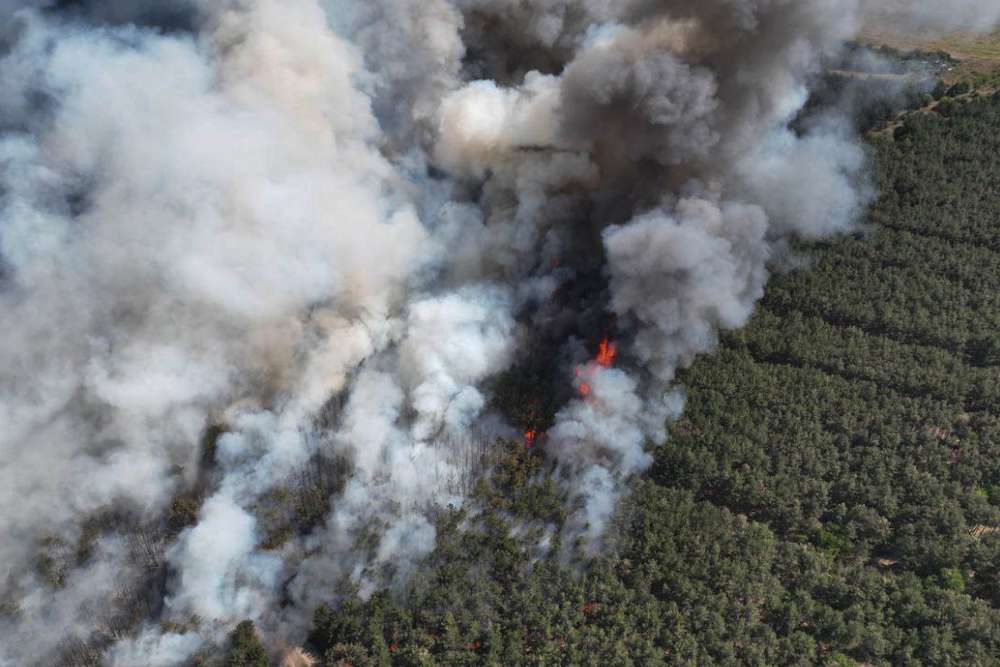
(266, 266)
(874, 85)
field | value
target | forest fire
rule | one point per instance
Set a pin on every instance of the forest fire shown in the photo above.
(607, 351)
(297, 657)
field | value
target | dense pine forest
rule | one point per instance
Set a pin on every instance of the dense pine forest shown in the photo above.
(830, 497)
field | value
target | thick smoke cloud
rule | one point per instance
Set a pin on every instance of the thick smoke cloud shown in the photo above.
(685, 278)
(324, 226)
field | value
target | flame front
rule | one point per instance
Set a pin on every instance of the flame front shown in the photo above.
(607, 351)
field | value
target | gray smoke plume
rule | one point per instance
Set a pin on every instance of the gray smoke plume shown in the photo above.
(318, 228)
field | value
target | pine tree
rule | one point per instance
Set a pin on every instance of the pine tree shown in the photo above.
(245, 648)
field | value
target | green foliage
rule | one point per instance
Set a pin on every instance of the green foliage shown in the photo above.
(831, 543)
(947, 106)
(840, 660)
(519, 486)
(245, 649)
(952, 579)
(960, 88)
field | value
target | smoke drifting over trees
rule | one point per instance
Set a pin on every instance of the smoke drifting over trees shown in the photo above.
(322, 227)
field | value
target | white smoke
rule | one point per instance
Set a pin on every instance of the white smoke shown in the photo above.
(219, 573)
(156, 649)
(238, 223)
(326, 225)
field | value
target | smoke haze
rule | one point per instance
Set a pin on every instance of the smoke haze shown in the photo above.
(322, 227)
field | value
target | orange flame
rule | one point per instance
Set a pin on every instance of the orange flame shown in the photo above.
(530, 436)
(606, 353)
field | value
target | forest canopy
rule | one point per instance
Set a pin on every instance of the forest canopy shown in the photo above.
(830, 497)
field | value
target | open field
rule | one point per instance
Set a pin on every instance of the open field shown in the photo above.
(979, 53)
